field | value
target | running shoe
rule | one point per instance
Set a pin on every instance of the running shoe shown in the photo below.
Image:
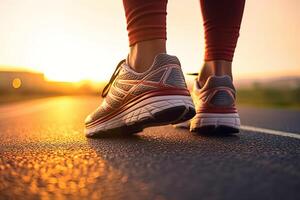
(215, 107)
(133, 101)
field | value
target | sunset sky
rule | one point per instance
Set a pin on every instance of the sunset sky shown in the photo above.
(71, 40)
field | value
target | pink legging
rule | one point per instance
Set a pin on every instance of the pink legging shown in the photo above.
(146, 20)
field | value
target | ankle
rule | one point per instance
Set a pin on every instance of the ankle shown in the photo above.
(142, 54)
(214, 68)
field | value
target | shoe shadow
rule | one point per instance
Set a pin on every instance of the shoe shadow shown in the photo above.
(213, 134)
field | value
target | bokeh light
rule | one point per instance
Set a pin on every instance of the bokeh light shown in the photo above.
(16, 83)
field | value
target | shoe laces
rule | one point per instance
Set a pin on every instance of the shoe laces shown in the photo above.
(113, 77)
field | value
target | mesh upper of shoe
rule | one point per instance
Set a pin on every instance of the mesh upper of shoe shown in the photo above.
(218, 91)
(164, 72)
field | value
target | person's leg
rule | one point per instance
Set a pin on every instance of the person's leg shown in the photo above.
(221, 19)
(136, 98)
(213, 92)
(146, 25)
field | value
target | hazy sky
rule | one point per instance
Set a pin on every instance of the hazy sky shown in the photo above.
(84, 39)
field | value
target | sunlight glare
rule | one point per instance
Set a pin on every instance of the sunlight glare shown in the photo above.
(64, 57)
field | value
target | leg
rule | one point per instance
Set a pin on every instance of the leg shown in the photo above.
(222, 19)
(146, 25)
(158, 94)
(214, 93)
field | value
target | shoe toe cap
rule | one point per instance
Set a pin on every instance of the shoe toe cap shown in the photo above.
(88, 119)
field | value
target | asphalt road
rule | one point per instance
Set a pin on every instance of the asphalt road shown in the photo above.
(44, 155)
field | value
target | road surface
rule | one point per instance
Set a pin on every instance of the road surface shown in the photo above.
(44, 155)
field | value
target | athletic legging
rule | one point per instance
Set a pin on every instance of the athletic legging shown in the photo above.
(146, 20)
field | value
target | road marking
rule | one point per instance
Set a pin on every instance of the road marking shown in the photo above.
(270, 131)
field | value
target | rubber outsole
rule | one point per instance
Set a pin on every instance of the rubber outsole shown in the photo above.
(164, 117)
(209, 130)
(153, 111)
(215, 130)
(215, 123)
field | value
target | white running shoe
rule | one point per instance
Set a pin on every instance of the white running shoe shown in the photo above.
(215, 107)
(133, 101)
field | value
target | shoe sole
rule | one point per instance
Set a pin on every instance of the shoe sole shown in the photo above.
(154, 111)
(215, 123)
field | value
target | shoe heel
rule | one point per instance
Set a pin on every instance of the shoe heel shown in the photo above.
(209, 123)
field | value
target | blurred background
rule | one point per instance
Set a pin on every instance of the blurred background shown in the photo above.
(71, 47)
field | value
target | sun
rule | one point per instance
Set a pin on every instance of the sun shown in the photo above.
(66, 55)
(63, 57)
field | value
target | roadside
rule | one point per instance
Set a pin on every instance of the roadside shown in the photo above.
(249, 97)
(269, 97)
